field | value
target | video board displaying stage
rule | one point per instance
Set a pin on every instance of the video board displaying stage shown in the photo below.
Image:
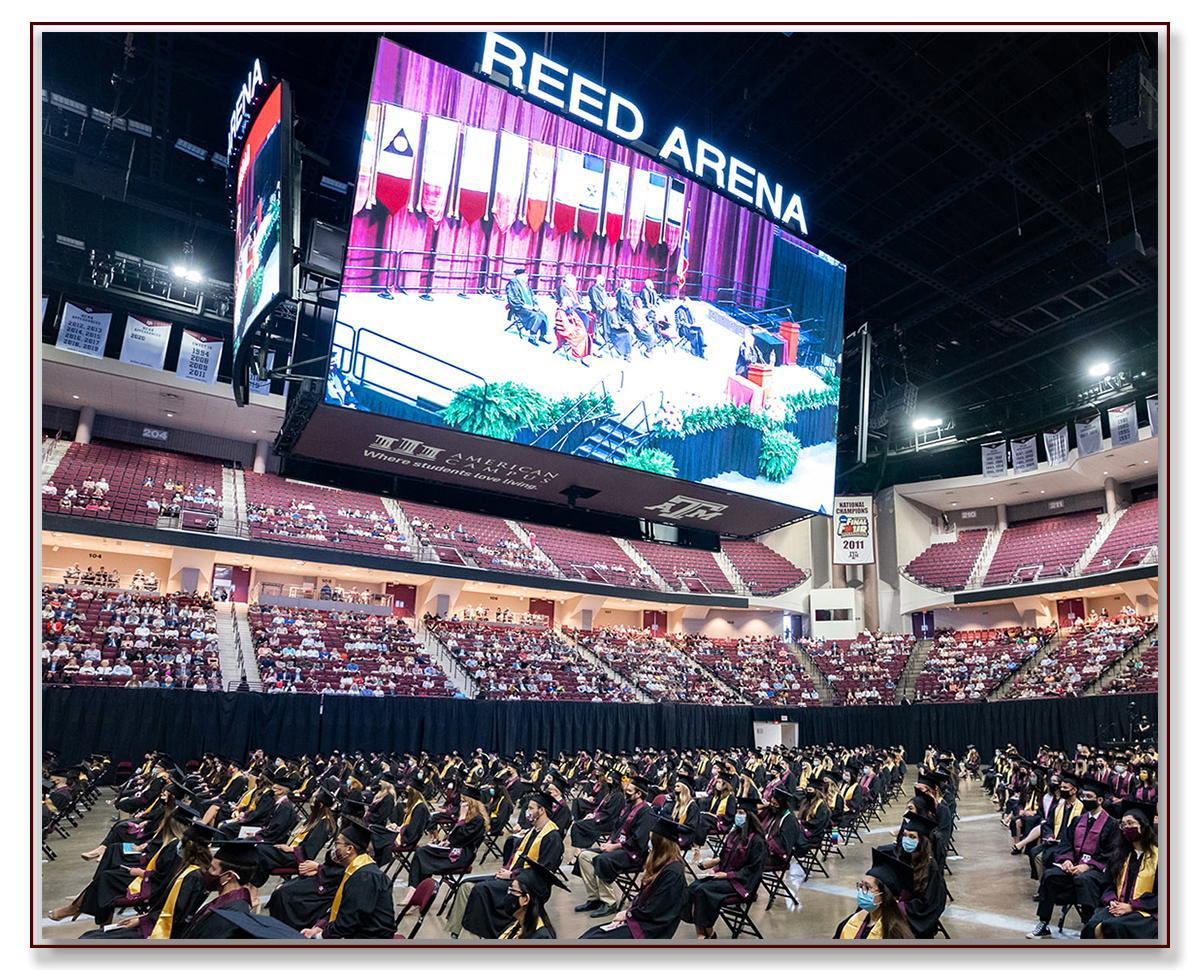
(515, 276)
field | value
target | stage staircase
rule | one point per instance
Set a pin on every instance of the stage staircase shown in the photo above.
(1108, 523)
(612, 441)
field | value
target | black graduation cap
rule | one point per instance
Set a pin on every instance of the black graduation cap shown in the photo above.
(47, 784)
(667, 827)
(1071, 779)
(356, 831)
(199, 832)
(1149, 809)
(749, 801)
(186, 812)
(564, 785)
(890, 871)
(686, 780)
(323, 797)
(472, 791)
(239, 852)
(919, 822)
(1099, 788)
(542, 798)
(924, 803)
(785, 797)
(254, 926)
(640, 783)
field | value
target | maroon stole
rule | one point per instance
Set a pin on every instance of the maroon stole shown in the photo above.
(732, 859)
(1087, 840)
(629, 827)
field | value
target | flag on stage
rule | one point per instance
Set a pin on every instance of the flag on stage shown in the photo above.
(591, 194)
(437, 170)
(511, 169)
(364, 189)
(639, 188)
(537, 186)
(681, 267)
(614, 201)
(475, 173)
(656, 200)
(568, 173)
(674, 226)
(395, 161)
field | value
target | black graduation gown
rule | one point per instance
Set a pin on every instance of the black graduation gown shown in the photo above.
(924, 910)
(111, 884)
(634, 838)
(306, 900)
(722, 821)
(655, 911)
(782, 835)
(812, 830)
(278, 826)
(590, 830)
(744, 862)
(465, 840)
(688, 825)
(206, 925)
(271, 858)
(366, 911)
(489, 910)
(191, 895)
(410, 834)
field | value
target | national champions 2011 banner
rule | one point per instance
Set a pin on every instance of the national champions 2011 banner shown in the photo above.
(853, 530)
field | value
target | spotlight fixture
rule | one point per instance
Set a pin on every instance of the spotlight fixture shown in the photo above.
(1098, 369)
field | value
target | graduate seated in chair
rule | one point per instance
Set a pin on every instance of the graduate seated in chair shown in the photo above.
(362, 905)
(1129, 909)
(879, 916)
(625, 852)
(738, 873)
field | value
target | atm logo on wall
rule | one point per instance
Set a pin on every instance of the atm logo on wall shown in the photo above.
(682, 507)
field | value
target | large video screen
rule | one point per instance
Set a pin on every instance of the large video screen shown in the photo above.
(512, 274)
(261, 262)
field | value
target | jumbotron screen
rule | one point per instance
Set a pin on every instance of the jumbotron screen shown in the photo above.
(514, 275)
(259, 224)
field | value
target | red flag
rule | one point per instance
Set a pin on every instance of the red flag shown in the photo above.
(397, 153)
(537, 186)
(475, 173)
(614, 201)
(656, 200)
(639, 188)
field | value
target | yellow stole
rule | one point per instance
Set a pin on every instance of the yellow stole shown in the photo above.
(514, 930)
(680, 812)
(162, 928)
(135, 885)
(232, 778)
(532, 849)
(1031, 801)
(1076, 810)
(855, 922)
(357, 863)
(248, 798)
(1144, 881)
(720, 809)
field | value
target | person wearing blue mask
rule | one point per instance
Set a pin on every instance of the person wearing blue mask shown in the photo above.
(738, 872)
(879, 916)
(915, 847)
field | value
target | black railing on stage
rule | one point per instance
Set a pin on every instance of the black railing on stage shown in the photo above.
(360, 360)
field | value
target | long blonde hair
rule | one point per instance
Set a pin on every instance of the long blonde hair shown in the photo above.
(474, 807)
(663, 852)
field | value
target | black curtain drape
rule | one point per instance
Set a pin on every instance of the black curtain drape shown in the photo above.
(79, 720)
(813, 288)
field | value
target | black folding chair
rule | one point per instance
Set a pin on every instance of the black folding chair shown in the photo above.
(627, 882)
(773, 881)
(735, 913)
(422, 901)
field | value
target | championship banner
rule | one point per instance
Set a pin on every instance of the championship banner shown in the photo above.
(511, 169)
(1024, 454)
(1122, 424)
(656, 203)
(639, 190)
(396, 161)
(437, 167)
(262, 385)
(475, 173)
(1152, 408)
(537, 186)
(591, 194)
(1057, 445)
(614, 201)
(364, 188)
(1087, 435)
(568, 173)
(145, 342)
(83, 329)
(674, 222)
(199, 355)
(995, 459)
(853, 530)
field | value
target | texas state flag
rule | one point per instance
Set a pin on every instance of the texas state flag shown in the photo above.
(614, 201)
(399, 136)
(475, 173)
(591, 193)
(567, 176)
(656, 201)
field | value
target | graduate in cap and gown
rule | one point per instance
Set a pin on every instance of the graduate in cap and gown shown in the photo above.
(483, 906)
(738, 870)
(599, 823)
(782, 830)
(1129, 909)
(362, 905)
(625, 851)
(655, 911)
(879, 916)
(304, 844)
(916, 848)
(228, 875)
(528, 891)
(457, 850)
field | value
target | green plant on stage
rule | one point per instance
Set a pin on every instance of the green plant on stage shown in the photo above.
(651, 460)
(495, 410)
(780, 451)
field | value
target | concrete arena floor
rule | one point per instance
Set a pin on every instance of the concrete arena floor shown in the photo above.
(991, 888)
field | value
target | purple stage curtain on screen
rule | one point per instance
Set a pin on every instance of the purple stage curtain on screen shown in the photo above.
(730, 245)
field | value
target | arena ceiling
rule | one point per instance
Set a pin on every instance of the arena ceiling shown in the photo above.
(967, 179)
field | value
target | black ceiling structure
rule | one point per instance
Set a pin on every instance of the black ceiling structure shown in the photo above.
(966, 178)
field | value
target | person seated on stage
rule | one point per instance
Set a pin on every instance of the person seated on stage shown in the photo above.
(524, 309)
(481, 908)
(1129, 909)
(655, 911)
(457, 851)
(627, 315)
(571, 324)
(879, 916)
(748, 354)
(609, 329)
(739, 870)
(916, 848)
(527, 893)
(1078, 870)
(362, 906)
(229, 876)
(647, 297)
(625, 852)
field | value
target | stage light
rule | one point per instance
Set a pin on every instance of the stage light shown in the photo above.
(1099, 369)
(922, 424)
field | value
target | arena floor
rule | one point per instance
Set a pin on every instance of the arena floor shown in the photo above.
(991, 888)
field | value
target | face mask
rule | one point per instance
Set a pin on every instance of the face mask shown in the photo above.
(908, 843)
(1119, 769)
(739, 819)
(1131, 832)
(529, 815)
(866, 901)
(210, 881)
(1090, 804)
(1144, 775)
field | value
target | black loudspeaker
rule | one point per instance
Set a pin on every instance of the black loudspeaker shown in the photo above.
(1123, 251)
(326, 247)
(1133, 101)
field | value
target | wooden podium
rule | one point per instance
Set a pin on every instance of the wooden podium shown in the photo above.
(789, 333)
(762, 375)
